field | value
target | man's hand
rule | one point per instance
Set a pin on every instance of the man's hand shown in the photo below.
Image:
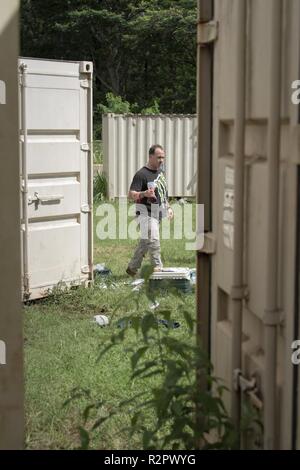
(149, 193)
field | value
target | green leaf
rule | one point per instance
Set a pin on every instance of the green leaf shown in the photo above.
(137, 356)
(189, 320)
(102, 420)
(84, 438)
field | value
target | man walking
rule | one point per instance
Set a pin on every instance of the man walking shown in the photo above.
(149, 191)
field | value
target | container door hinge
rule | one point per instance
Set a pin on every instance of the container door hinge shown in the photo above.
(85, 147)
(273, 317)
(85, 269)
(248, 387)
(209, 245)
(207, 32)
(85, 83)
(86, 67)
(86, 208)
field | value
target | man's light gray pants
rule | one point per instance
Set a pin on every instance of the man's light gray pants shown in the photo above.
(149, 242)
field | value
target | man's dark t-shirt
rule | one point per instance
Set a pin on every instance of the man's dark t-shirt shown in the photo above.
(140, 183)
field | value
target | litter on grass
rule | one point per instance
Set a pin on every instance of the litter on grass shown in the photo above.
(176, 278)
(168, 324)
(154, 305)
(101, 270)
(180, 278)
(101, 320)
(193, 276)
(137, 284)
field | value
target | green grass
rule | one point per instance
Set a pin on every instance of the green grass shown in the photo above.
(116, 253)
(100, 187)
(98, 152)
(62, 346)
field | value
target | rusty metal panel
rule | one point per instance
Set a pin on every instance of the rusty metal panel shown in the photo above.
(127, 139)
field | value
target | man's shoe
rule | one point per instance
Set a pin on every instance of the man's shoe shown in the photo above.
(130, 272)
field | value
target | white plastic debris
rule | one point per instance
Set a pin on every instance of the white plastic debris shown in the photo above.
(193, 275)
(171, 273)
(101, 320)
(103, 286)
(101, 269)
(182, 201)
(154, 305)
(137, 284)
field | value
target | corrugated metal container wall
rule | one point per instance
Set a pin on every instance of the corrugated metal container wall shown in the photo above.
(56, 168)
(257, 317)
(11, 318)
(127, 139)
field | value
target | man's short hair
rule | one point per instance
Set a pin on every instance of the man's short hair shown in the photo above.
(153, 148)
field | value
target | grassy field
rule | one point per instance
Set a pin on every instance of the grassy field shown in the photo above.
(62, 346)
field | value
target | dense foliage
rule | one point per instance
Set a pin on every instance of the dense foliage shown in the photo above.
(142, 50)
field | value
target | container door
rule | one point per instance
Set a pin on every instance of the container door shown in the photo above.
(56, 146)
(296, 374)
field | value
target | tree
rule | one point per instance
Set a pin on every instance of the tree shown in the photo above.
(143, 51)
(163, 35)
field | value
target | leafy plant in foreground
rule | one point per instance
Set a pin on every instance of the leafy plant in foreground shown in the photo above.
(183, 414)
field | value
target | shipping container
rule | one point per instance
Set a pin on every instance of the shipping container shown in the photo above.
(249, 180)
(11, 337)
(55, 99)
(126, 143)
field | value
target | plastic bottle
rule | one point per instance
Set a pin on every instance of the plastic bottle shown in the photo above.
(152, 185)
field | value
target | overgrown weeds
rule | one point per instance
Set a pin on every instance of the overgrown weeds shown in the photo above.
(173, 400)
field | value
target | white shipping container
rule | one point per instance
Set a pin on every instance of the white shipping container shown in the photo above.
(56, 174)
(11, 336)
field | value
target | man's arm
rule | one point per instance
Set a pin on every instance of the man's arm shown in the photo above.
(137, 196)
(135, 192)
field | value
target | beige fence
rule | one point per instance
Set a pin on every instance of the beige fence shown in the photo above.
(126, 141)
